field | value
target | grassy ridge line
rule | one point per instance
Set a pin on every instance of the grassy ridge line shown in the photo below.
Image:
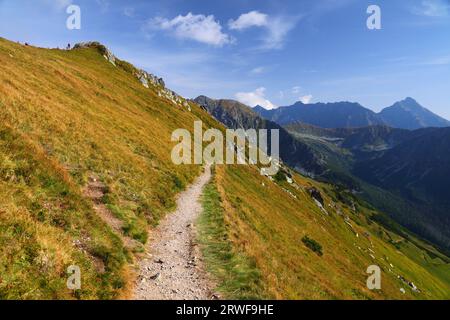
(236, 275)
(89, 118)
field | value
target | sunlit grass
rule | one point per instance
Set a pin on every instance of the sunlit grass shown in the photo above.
(236, 274)
(64, 116)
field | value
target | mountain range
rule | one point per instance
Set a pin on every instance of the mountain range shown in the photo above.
(392, 168)
(403, 172)
(405, 114)
(235, 115)
(86, 174)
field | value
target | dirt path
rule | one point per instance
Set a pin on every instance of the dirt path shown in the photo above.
(95, 190)
(173, 268)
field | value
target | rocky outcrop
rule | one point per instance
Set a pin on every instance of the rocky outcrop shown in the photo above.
(315, 194)
(104, 51)
(147, 79)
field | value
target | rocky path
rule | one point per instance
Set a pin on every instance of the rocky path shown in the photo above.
(172, 268)
(95, 190)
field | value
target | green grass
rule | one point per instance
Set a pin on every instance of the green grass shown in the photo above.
(236, 274)
(266, 224)
(65, 116)
(41, 213)
(313, 245)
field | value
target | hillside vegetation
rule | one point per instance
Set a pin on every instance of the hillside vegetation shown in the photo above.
(67, 118)
(85, 172)
(269, 222)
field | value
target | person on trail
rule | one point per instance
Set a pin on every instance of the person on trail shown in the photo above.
(68, 46)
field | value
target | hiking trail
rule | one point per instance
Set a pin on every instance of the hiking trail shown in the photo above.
(172, 267)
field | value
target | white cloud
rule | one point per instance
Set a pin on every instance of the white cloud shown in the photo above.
(295, 93)
(276, 27)
(433, 8)
(306, 99)
(296, 90)
(248, 20)
(255, 98)
(199, 27)
(129, 12)
(258, 70)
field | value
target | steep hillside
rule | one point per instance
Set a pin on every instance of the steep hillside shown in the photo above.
(253, 231)
(86, 172)
(81, 140)
(399, 171)
(418, 171)
(236, 115)
(340, 155)
(275, 239)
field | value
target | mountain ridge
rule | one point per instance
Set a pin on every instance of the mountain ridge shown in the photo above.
(409, 114)
(403, 164)
(236, 115)
(405, 114)
(337, 152)
(71, 119)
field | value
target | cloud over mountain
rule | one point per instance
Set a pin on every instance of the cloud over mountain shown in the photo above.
(200, 28)
(255, 98)
(277, 27)
(248, 20)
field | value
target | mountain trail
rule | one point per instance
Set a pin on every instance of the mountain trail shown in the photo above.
(95, 190)
(173, 268)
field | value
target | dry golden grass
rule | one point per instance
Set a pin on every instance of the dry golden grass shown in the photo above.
(267, 224)
(65, 115)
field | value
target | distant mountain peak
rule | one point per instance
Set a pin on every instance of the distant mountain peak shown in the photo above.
(258, 107)
(409, 114)
(410, 100)
(325, 115)
(408, 103)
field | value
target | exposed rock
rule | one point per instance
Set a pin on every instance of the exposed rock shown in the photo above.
(315, 194)
(156, 276)
(104, 51)
(144, 77)
(215, 296)
(148, 78)
(320, 206)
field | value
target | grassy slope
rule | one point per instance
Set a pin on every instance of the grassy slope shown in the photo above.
(341, 161)
(266, 224)
(65, 115)
(237, 275)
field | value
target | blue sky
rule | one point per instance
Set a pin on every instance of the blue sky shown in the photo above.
(271, 52)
